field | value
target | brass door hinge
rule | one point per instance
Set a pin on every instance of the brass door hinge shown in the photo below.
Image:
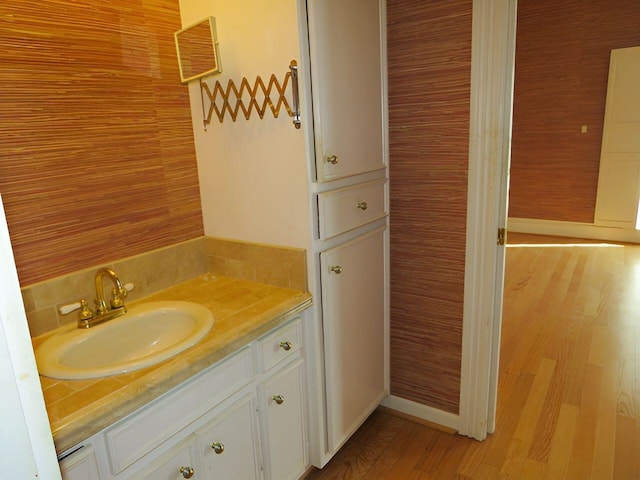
(502, 236)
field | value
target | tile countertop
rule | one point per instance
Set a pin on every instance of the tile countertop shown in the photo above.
(243, 312)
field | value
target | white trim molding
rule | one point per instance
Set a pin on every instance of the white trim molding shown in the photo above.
(27, 448)
(418, 410)
(492, 66)
(573, 230)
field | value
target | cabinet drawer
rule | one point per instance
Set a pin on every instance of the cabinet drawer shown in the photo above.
(279, 344)
(132, 438)
(347, 208)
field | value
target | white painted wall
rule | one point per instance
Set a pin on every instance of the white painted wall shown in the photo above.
(253, 174)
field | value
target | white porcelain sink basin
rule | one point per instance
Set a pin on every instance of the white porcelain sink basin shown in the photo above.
(147, 334)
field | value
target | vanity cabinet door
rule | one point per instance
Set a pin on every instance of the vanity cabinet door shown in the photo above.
(80, 465)
(353, 305)
(282, 402)
(226, 444)
(177, 464)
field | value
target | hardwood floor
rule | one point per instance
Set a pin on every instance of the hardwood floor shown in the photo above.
(569, 386)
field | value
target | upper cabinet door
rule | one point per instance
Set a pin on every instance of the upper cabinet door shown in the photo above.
(346, 45)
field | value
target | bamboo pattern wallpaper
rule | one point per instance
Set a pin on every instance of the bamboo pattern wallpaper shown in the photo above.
(97, 158)
(429, 51)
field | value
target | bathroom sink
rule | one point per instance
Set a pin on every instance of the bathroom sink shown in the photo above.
(147, 334)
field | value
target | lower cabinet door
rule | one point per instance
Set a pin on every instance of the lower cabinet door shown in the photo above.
(80, 465)
(283, 406)
(177, 464)
(227, 446)
(353, 310)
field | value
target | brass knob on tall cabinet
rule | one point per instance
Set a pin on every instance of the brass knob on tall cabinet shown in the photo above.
(286, 346)
(332, 159)
(187, 472)
(362, 205)
(279, 399)
(337, 269)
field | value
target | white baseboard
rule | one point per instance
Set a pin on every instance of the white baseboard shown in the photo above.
(572, 229)
(430, 414)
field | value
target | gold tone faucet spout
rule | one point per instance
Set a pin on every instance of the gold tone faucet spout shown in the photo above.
(119, 292)
(104, 311)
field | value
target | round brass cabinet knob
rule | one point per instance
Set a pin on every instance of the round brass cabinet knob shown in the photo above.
(187, 472)
(362, 205)
(337, 269)
(286, 346)
(279, 399)
(218, 447)
(332, 159)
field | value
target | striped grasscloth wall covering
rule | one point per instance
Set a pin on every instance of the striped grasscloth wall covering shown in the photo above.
(97, 159)
(429, 50)
(562, 65)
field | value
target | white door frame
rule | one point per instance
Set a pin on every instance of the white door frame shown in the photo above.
(26, 444)
(492, 68)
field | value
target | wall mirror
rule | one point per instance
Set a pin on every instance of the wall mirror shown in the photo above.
(197, 48)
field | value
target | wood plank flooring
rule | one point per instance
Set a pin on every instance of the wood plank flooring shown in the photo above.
(569, 386)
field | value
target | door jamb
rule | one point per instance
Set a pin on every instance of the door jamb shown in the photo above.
(492, 67)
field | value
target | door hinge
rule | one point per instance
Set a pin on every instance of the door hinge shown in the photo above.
(502, 236)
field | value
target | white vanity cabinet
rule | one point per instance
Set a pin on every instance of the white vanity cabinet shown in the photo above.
(282, 403)
(244, 418)
(226, 446)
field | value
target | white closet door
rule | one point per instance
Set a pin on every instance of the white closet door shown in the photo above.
(346, 49)
(353, 304)
(619, 178)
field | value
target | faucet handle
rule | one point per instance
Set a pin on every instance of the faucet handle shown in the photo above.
(117, 297)
(85, 312)
(71, 307)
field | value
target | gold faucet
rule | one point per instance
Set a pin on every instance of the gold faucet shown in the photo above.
(104, 311)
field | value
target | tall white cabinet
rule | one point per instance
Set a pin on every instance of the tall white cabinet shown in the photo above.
(322, 187)
(350, 194)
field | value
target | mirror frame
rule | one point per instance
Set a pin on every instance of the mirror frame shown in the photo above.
(188, 40)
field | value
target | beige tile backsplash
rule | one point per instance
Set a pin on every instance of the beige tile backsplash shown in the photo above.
(256, 262)
(159, 269)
